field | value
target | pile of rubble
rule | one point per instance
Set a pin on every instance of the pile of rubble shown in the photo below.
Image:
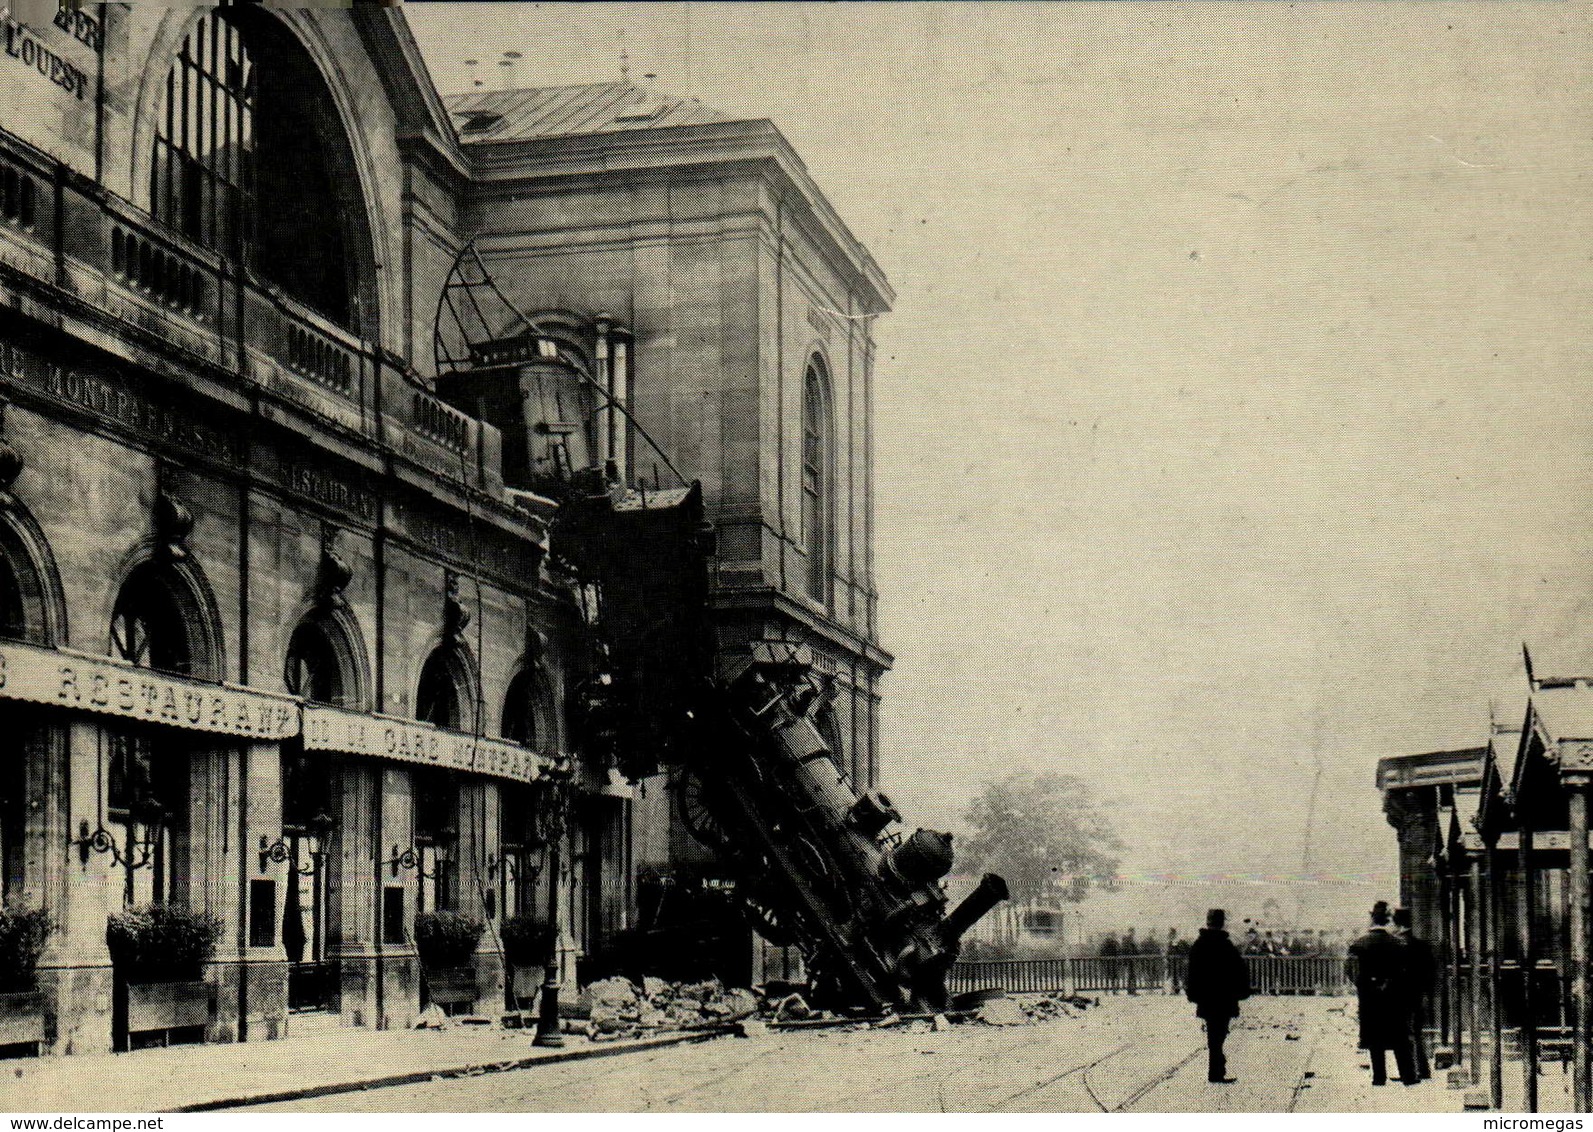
(999, 1009)
(616, 1008)
(1055, 1004)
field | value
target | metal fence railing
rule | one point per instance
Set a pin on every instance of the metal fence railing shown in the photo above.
(1135, 974)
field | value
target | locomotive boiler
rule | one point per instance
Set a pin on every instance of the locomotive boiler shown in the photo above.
(819, 866)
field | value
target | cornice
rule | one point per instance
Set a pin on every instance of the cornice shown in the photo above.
(767, 599)
(668, 153)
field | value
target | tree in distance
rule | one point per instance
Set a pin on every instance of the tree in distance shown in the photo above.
(1045, 834)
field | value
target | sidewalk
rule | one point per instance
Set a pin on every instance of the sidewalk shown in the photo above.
(325, 1061)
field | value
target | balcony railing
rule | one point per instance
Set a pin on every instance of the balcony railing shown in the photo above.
(440, 422)
(60, 230)
(19, 196)
(160, 271)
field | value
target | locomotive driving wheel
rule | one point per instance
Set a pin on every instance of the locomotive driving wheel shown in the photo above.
(767, 921)
(695, 803)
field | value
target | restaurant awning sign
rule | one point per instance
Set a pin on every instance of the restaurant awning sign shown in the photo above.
(383, 737)
(112, 687)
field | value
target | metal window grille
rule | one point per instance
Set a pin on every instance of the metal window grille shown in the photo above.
(203, 174)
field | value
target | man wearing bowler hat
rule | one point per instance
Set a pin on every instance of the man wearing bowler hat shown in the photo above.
(1379, 966)
(1218, 980)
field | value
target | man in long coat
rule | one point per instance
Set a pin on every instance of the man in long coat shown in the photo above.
(1218, 980)
(1421, 966)
(1379, 966)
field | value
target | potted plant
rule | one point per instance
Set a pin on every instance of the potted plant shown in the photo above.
(23, 934)
(525, 952)
(445, 942)
(158, 952)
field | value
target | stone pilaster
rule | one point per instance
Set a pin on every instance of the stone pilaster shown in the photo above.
(263, 991)
(398, 969)
(214, 865)
(80, 889)
(352, 890)
(479, 858)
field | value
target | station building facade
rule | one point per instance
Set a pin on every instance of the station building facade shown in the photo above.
(281, 640)
(694, 259)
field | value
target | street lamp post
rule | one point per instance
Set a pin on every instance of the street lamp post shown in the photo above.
(554, 806)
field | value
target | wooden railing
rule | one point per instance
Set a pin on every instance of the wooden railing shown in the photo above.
(1137, 974)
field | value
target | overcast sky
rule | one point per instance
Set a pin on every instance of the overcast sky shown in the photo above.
(1232, 421)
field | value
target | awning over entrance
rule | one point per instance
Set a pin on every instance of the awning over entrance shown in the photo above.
(384, 737)
(99, 684)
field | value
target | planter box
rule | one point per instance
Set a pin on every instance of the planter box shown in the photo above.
(168, 1006)
(451, 986)
(21, 1018)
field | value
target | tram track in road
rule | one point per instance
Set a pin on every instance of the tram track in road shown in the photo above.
(1303, 1081)
(1144, 1088)
(1045, 1036)
(716, 1080)
(1055, 1078)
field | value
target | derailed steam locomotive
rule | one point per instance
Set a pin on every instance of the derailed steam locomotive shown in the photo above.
(815, 865)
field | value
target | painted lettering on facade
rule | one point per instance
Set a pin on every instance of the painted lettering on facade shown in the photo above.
(80, 26)
(450, 541)
(317, 485)
(351, 733)
(114, 401)
(108, 687)
(22, 46)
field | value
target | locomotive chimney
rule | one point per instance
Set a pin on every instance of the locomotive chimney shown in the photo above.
(992, 890)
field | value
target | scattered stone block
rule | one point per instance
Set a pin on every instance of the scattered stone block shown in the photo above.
(1002, 1012)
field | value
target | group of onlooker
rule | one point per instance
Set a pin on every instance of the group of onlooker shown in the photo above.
(1305, 942)
(1392, 970)
(1256, 941)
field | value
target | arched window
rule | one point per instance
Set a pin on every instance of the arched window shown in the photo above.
(439, 698)
(817, 478)
(318, 669)
(251, 159)
(314, 668)
(202, 180)
(147, 784)
(13, 770)
(26, 614)
(445, 697)
(13, 611)
(527, 716)
(149, 625)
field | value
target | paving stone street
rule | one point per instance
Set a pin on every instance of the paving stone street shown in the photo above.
(1143, 1054)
